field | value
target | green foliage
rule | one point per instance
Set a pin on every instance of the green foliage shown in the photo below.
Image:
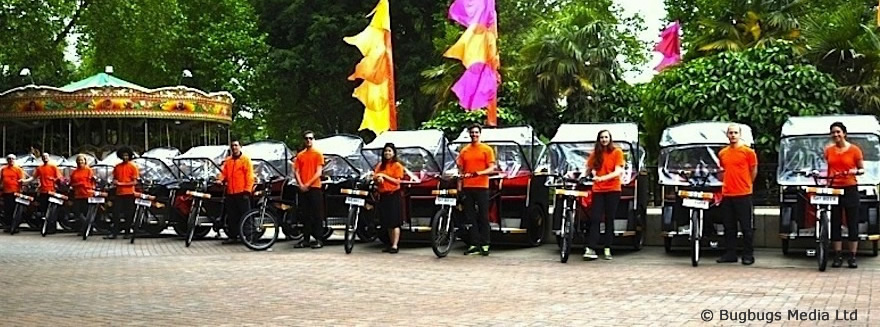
(760, 87)
(452, 119)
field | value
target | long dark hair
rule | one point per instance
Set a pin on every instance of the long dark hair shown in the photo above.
(600, 150)
(393, 159)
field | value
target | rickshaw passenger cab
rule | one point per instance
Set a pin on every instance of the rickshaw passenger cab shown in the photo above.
(343, 165)
(802, 144)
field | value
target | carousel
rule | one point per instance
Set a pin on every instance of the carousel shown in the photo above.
(101, 113)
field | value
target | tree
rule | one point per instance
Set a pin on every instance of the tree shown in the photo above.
(749, 23)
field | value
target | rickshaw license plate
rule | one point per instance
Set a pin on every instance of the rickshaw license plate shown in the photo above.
(22, 201)
(143, 203)
(355, 201)
(824, 200)
(445, 201)
(96, 200)
(695, 203)
(56, 200)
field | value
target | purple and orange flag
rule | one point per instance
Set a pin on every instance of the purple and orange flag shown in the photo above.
(377, 70)
(477, 49)
(669, 46)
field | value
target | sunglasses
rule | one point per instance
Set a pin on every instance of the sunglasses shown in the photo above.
(309, 138)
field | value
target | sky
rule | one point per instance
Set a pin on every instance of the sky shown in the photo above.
(654, 14)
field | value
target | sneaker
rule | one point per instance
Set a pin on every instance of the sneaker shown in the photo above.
(837, 262)
(387, 249)
(472, 250)
(301, 245)
(607, 254)
(851, 262)
(231, 241)
(589, 254)
(484, 251)
(748, 260)
(727, 258)
(317, 245)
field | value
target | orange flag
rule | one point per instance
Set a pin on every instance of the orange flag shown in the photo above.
(377, 70)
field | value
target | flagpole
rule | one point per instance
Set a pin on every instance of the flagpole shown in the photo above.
(392, 103)
(492, 113)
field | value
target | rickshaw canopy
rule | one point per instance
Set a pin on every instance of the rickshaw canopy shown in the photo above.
(821, 125)
(419, 151)
(342, 156)
(573, 143)
(694, 147)
(703, 133)
(271, 159)
(201, 162)
(517, 149)
(581, 133)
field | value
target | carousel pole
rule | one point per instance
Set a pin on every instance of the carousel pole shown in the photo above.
(205, 132)
(167, 135)
(146, 136)
(69, 137)
(43, 142)
(4, 139)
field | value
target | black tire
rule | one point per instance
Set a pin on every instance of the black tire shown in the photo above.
(874, 251)
(667, 244)
(442, 233)
(136, 224)
(822, 245)
(68, 221)
(350, 226)
(33, 221)
(44, 229)
(367, 231)
(638, 240)
(537, 218)
(785, 246)
(566, 235)
(89, 221)
(16, 220)
(259, 230)
(327, 233)
(695, 238)
(382, 235)
(191, 225)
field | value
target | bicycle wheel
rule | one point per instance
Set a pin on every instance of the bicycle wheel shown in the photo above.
(45, 228)
(16, 220)
(191, 226)
(259, 229)
(136, 223)
(90, 219)
(566, 234)
(442, 233)
(696, 230)
(350, 223)
(822, 244)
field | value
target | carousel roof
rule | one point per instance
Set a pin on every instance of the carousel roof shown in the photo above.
(102, 80)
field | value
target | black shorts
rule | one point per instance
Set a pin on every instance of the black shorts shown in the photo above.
(389, 210)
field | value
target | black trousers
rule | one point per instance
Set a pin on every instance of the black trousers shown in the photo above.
(738, 209)
(476, 209)
(604, 205)
(123, 208)
(312, 203)
(43, 200)
(80, 209)
(849, 203)
(8, 208)
(236, 205)
(389, 210)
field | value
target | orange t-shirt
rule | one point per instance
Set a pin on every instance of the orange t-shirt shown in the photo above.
(125, 172)
(395, 170)
(47, 175)
(737, 163)
(474, 158)
(610, 162)
(82, 182)
(11, 176)
(306, 165)
(238, 174)
(841, 162)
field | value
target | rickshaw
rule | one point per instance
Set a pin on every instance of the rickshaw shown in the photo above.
(801, 150)
(198, 204)
(30, 214)
(425, 154)
(518, 199)
(274, 197)
(103, 171)
(66, 219)
(344, 166)
(688, 171)
(159, 178)
(567, 155)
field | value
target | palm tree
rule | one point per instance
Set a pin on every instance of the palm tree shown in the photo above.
(750, 23)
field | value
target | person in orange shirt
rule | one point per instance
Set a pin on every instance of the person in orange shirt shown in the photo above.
(739, 164)
(606, 166)
(82, 180)
(307, 167)
(475, 162)
(48, 174)
(125, 177)
(238, 173)
(844, 158)
(388, 175)
(12, 178)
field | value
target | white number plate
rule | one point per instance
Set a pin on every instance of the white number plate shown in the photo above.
(143, 203)
(355, 201)
(441, 201)
(22, 201)
(824, 200)
(96, 200)
(695, 203)
(56, 200)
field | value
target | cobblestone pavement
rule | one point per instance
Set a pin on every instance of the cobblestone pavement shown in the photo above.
(63, 281)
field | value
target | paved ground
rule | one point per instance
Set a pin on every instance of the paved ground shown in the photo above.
(63, 281)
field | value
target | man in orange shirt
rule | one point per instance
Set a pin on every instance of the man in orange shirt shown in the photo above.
(740, 166)
(475, 162)
(13, 176)
(125, 176)
(307, 167)
(238, 173)
(47, 174)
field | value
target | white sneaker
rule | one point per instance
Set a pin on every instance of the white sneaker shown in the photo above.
(589, 254)
(607, 254)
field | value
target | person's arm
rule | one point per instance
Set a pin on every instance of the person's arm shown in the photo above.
(296, 175)
(221, 176)
(25, 178)
(398, 175)
(860, 163)
(250, 177)
(317, 175)
(618, 170)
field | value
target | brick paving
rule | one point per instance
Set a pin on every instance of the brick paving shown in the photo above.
(63, 281)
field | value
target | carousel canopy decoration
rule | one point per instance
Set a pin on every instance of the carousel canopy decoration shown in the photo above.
(105, 96)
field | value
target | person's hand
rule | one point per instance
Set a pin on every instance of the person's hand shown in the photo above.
(380, 179)
(303, 188)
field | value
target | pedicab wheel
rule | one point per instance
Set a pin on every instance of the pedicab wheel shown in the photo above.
(785, 246)
(327, 233)
(259, 230)
(874, 251)
(69, 222)
(155, 229)
(87, 227)
(667, 244)
(695, 251)
(35, 223)
(136, 225)
(537, 217)
(367, 232)
(350, 223)
(292, 233)
(822, 245)
(638, 240)
(45, 225)
(191, 227)
(566, 235)
(442, 233)
(383, 237)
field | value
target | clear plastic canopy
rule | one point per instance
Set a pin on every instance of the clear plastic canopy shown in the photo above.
(111, 159)
(703, 133)
(573, 143)
(694, 147)
(164, 153)
(271, 159)
(420, 151)
(201, 162)
(515, 148)
(342, 156)
(154, 170)
(581, 133)
(30, 163)
(804, 140)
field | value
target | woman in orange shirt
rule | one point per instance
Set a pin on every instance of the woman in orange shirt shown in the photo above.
(388, 174)
(844, 158)
(83, 183)
(606, 165)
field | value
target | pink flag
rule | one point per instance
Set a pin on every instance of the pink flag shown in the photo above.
(470, 12)
(669, 46)
(477, 86)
